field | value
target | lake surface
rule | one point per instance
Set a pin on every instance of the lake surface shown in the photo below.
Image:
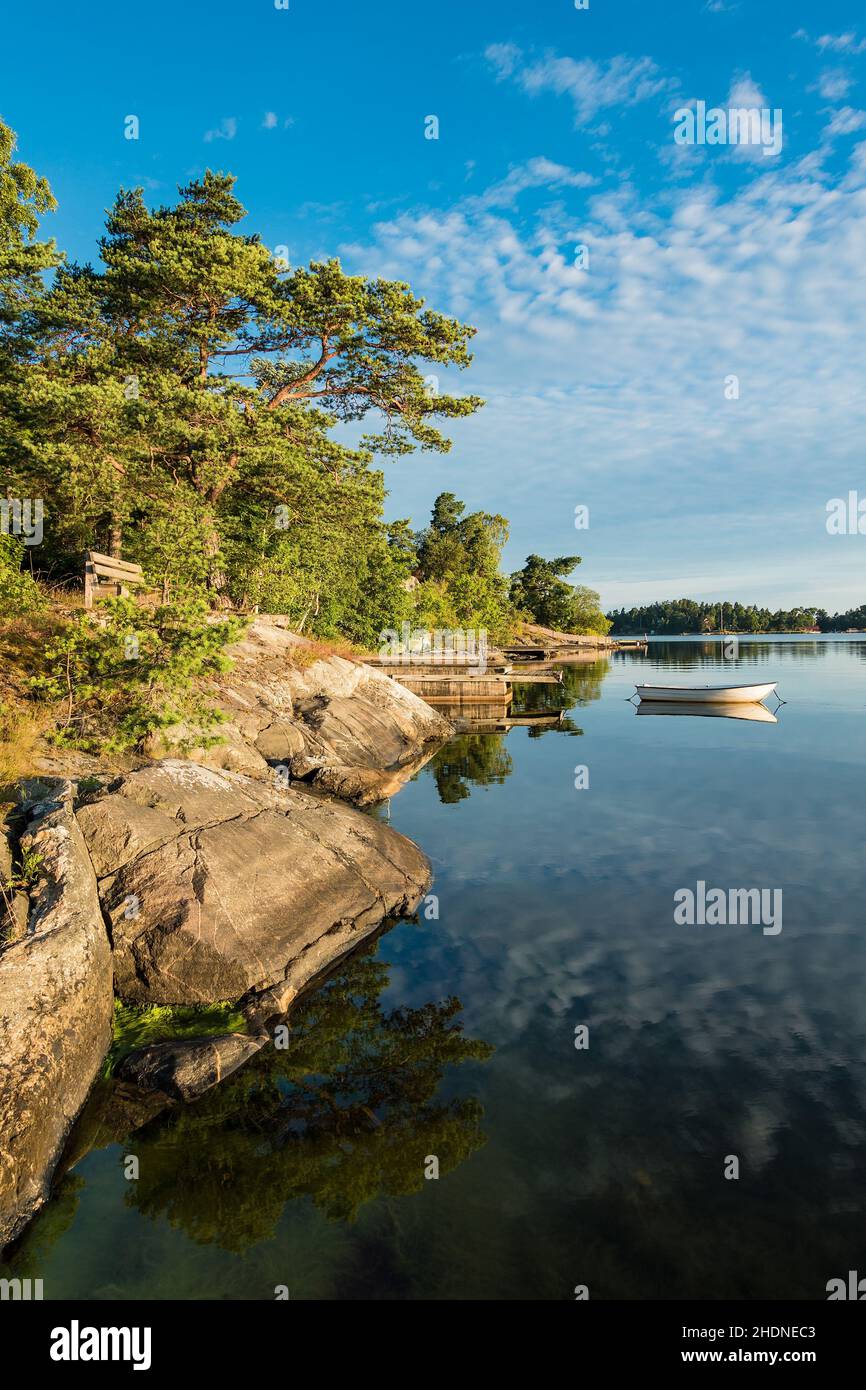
(559, 1166)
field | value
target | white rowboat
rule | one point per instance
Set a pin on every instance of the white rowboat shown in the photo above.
(707, 694)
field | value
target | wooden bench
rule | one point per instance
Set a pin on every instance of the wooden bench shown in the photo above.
(105, 577)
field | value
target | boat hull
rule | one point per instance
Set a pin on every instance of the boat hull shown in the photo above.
(707, 694)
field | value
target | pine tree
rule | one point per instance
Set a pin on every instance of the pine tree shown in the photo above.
(190, 385)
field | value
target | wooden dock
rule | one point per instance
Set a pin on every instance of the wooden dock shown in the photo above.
(551, 655)
(455, 688)
(534, 654)
(456, 678)
(464, 686)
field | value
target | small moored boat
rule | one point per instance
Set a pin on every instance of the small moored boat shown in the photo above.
(707, 694)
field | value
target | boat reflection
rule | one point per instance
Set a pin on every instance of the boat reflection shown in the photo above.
(757, 713)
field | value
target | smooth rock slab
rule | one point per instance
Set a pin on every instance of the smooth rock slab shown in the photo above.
(56, 1003)
(216, 885)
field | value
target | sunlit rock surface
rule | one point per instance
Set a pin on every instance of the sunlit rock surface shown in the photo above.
(334, 721)
(56, 1001)
(216, 885)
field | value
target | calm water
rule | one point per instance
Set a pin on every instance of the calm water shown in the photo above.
(558, 1167)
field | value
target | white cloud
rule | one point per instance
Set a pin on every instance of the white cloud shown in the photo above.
(503, 58)
(609, 379)
(592, 86)
(746, 92)
(834, 84)
(226, 130)
(535, 173)
(841, 43)
(833, 43)
(272, 121)
(847, 121)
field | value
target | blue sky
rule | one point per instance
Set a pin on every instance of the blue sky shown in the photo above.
(605, 384)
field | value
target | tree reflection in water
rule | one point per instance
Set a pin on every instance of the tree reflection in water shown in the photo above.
(469, 759)
(482, 759)
(347, 1112)
(581, 685)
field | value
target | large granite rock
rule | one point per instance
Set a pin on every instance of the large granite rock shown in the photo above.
(332, 720)
(216, 876)
(217, 886)
(56, 1002)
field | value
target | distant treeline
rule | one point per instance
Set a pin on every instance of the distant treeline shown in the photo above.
(688, 615)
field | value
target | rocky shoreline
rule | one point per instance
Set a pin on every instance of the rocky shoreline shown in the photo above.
(237, 873)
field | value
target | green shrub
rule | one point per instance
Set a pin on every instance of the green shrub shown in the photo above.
(19, 592)
(126, 672)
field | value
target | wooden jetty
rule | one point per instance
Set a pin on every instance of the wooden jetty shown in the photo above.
(458, 678)
(454, 688)
(430, 663)
(567, 652)
(544, 645)
(464, 686)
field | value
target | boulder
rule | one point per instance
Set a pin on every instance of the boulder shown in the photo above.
(185, 1068)
(56, 1004)
(325, 719)
(217, 886)
(363, 786)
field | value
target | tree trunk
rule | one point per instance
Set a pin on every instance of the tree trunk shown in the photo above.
(216, 580)
(115, 537)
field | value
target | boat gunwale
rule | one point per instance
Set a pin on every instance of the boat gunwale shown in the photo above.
(756, 685)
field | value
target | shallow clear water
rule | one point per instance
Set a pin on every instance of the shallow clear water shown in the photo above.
(602, 1166)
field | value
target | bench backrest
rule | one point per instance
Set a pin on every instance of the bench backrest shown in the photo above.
(105, 577)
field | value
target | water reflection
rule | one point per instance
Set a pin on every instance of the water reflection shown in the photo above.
(469, 760)
(604, 1166)
(688, 655)
(757, 713)
(478, 757)
(581, 683)
(346, 1113)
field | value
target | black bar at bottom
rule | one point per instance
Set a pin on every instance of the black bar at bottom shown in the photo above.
(64, 1339)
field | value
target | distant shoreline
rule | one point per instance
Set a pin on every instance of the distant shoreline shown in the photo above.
(743, 636)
